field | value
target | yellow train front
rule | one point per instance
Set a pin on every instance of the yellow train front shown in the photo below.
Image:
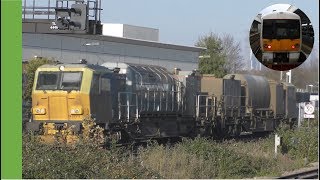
(65, 94)
(280, 39)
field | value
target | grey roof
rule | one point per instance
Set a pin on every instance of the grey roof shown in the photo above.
(135, 42)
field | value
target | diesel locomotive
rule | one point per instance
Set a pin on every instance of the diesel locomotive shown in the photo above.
(134, 101)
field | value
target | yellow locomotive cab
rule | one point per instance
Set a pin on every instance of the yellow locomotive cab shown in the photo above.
(61, 97)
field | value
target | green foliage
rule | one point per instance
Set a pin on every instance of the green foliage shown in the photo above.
(199, 158)
(31, 68)
(82, 160)
(214, 59)
(300, 143)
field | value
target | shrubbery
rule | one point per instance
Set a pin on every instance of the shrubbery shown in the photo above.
(201, 158)
(301, 142)
(82, 160)
(198, 158)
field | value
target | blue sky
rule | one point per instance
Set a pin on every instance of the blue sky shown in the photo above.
(182, 21)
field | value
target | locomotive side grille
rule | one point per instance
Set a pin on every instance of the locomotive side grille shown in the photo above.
(58, 108)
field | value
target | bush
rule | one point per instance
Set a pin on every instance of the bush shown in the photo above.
(198, 158)
(42, 161)
(300, 143)
(84, 158)
(201, 158)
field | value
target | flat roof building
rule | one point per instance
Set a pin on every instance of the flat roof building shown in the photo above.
(47, 32)
(96, 49)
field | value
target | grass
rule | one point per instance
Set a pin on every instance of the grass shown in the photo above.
(198, 158)
(85, 160)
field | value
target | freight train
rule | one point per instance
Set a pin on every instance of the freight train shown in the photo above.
(134, 101)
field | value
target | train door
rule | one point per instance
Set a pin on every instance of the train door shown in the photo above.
(100, 98)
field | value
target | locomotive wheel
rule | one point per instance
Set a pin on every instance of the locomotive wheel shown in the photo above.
(236, 130)
(201, 132)
(116, 137)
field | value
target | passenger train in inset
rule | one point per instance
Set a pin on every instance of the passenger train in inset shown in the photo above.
(132, 101)
(280, 38)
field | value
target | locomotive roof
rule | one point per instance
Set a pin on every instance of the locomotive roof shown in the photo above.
(90, 66)
(126, 65)
(281, 15)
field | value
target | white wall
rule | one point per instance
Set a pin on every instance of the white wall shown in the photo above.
(109, 29)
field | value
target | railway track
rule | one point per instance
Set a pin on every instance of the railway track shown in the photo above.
(312, 173)
(306, 50)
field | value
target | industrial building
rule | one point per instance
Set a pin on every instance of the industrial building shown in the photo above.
(103, 43)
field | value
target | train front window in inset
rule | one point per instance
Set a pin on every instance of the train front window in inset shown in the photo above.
(47, 81)
(71, 80)
(59, 80)
(281, 29)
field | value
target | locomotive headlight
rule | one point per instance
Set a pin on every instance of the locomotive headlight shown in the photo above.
(267, 46)
(61, 68)
(76, 110)
(38, 110)
(295, 46)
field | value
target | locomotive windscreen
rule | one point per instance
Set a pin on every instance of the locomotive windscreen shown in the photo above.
(281, 29)
(59, 81)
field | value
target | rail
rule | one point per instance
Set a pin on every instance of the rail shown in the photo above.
(306, 174)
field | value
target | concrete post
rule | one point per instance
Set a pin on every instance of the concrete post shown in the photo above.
(277, 142)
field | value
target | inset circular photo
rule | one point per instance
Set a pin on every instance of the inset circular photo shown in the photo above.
(281, 37)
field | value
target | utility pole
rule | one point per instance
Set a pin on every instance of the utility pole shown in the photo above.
(288, 76)
(251, 60)
(260, 66)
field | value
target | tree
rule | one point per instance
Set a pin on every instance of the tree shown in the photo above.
(31, 68)
(307, 72)
(213, 61)
(232, 50)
